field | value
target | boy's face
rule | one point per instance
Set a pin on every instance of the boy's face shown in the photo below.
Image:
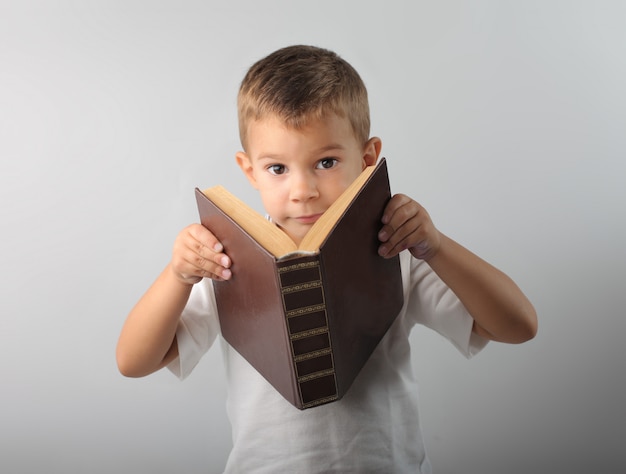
(300, 172)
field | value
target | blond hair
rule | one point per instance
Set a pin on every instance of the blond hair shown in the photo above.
(301, 83)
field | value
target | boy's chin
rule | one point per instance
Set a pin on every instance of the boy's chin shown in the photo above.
(296, 234)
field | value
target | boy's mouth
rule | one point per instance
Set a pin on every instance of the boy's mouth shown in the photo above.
(308, 219)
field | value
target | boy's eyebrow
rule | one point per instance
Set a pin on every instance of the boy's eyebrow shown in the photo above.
(323, 149)
(333, 146)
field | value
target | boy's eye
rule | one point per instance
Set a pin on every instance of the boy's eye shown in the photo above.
(276, 169)
(327, 163)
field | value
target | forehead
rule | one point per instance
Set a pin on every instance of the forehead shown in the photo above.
(275, 133)
(328, 125)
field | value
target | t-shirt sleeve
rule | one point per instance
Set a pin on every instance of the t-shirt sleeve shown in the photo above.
(197, 329)
(429, 300)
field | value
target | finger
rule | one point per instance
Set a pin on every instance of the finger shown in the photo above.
(408, 234)
(198, 266)
(208, 246)
(408, 227)
(198, 253)
(211, 264)
(191, 264)
(396, 215)
(205, 237)
(210, 250)
(394, 203)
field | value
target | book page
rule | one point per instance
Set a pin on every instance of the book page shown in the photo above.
(266, 233)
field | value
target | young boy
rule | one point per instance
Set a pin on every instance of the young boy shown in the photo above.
(304, 127)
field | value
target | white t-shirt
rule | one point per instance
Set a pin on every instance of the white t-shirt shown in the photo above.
(374, 428)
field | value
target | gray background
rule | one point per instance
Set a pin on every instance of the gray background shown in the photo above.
(505, 119)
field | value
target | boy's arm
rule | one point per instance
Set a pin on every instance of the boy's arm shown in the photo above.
(500, 310)
(148, 338)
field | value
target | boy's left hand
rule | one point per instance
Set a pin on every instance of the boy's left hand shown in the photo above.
(407, 225)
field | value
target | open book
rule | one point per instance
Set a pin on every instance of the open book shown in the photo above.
(307, 317)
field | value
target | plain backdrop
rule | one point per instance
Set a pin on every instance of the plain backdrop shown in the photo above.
(505, 119)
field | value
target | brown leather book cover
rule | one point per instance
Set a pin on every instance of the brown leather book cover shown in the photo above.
(308, 323)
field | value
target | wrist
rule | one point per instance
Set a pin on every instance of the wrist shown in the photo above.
(428, 249)
(183, 279)
(439, 247)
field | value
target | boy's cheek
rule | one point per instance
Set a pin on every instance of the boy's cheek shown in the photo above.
(271, 205)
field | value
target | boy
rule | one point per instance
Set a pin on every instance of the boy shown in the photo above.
(304, 127)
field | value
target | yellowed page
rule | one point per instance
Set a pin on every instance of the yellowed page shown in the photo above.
(267, 234)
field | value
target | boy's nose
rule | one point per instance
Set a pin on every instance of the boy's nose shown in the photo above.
(303, 187)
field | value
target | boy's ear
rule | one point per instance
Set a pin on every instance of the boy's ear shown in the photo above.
(371, 151)
(244, 162)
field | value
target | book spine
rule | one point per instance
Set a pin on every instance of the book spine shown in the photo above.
(307, 326)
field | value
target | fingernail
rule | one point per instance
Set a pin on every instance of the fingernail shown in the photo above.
(382, 235)
(226, 274)
(382, 250)
(218, 247)
(225, 261)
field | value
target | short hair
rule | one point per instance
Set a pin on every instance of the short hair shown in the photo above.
(300, 83)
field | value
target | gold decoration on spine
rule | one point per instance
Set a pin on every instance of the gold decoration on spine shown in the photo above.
(309, 333)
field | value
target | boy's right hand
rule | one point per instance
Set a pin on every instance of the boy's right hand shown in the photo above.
(198, 254)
